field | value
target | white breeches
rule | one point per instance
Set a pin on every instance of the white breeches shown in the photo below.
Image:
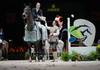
(44, 31)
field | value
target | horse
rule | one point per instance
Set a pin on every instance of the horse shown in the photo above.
(33, 34)
(53, 42)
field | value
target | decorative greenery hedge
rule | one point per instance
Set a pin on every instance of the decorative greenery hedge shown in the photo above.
(74, 56)
(98, 51)
(65, 56)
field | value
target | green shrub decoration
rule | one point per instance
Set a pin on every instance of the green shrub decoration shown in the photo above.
(98, 46)
(74, 56)
(83, 58)
(79, 57)
(65, 56)
(92, 56)
(98, 51)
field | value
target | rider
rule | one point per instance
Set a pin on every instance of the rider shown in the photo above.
(37, 12)
(38, 18)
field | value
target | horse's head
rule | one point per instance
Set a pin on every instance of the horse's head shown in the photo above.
(26, 12)
(27, 16)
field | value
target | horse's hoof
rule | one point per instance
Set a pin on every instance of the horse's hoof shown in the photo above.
(30, 59)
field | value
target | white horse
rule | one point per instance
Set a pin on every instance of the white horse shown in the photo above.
(59, 45)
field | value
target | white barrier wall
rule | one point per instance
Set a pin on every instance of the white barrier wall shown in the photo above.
(82, 50)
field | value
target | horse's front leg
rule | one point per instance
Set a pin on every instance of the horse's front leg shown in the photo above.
(29, 50)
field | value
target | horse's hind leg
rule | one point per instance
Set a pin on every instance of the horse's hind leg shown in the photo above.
(46, 48)
(42, 51)
(38, 51)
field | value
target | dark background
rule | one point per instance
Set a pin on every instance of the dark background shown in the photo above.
(12, 23)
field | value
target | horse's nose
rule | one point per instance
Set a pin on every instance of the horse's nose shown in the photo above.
(23, 15)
